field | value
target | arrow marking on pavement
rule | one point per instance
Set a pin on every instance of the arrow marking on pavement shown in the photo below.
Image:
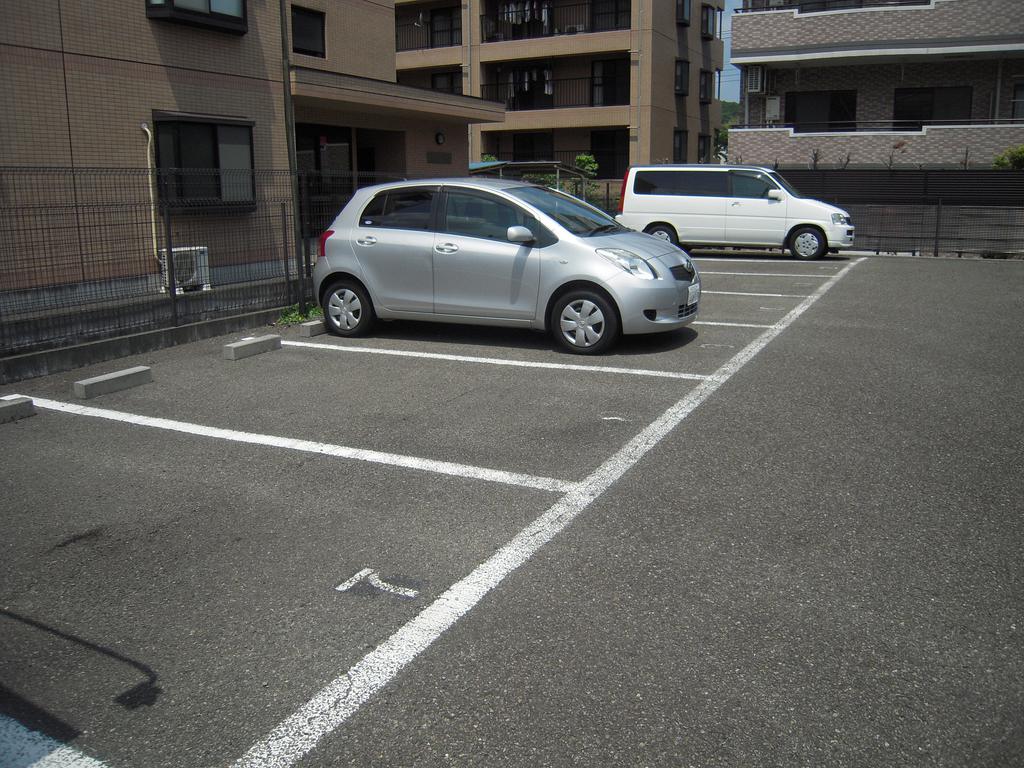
(371, 577)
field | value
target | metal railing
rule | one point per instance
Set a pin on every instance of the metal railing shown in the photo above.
(543, 93)
(883, 126)
(609, 164)
(522, 21)
(818, 6)
(84, 252)
(415, 36)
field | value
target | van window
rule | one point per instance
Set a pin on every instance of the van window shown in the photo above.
(698, 183)
(750, 184)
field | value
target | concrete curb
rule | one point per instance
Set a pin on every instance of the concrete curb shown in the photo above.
(30, 365)
(239, 350)
(16, 408)
(113, 382)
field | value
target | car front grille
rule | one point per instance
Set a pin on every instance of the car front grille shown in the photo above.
(685, 310)
(682, 272)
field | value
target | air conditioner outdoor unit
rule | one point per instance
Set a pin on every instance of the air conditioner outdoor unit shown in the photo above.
(191, 269)
(571, 29)
(755, 78)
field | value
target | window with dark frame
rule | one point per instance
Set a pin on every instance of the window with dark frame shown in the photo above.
(682, 81)
(821, 111)
(225, 15)
(205, 162)
(706, 82)
(447, 82)
(1017, 105)
(445, 27)
(679, 141)
(707, 22)
(704, 148)
(308, 32)
(915, 107)
(683, 8)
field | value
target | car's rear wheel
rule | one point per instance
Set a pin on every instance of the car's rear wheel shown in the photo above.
(807, 243)
(347, 309)
(584, 323)
(664, 232)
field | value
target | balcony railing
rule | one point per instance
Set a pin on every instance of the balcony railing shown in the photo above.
(609, 164)
(882, 126)
(818, 6)
(415, 36)
(544, 93)
(521, 21)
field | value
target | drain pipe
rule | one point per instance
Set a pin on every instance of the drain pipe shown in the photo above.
(149, 183)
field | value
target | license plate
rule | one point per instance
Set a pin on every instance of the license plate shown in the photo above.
(693, 294)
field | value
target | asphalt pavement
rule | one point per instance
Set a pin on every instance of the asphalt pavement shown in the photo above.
(789, 535)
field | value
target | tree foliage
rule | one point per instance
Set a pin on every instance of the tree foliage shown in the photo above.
(1011, 160)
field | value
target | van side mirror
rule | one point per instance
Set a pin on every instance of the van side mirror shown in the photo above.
(776, 194)
(519, 235)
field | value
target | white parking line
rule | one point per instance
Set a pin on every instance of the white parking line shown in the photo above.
(299, 733)
(761, 274)
(761, 261)
(20, 746)
(339, 451)
(773, 295)
(731, 325)
(499, 361)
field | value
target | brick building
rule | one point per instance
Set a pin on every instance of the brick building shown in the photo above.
(629, 81)
(100, 98)
(80, 78)
(878, 83)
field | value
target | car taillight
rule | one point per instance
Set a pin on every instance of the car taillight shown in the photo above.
(622, 192)
(322, 251)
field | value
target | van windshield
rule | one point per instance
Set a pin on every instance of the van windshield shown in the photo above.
(784, 184)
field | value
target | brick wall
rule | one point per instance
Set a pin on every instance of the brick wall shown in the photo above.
(935, 146)
(953, 20)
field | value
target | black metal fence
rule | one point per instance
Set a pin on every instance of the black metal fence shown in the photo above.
(817, 6)
(84, 252)
(910, 187)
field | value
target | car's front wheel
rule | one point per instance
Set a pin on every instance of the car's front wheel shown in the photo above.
(808, 243)
(347, 309)
(584, 323)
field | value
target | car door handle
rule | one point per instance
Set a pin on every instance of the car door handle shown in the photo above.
(735, 204)
(368, 240)
(446, 248)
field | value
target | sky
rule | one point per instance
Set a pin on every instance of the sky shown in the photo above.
(730, 75)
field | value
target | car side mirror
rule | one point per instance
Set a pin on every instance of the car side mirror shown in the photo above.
(776, 194)
(519, 235)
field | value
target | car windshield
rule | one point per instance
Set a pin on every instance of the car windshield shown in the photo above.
(575, 215)
(784, 184)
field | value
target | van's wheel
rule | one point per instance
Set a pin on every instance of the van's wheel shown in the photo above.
(807, 243)
(663, 232)
(348, 310)
(584, 323)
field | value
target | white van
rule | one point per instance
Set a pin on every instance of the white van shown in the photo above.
(736, 205)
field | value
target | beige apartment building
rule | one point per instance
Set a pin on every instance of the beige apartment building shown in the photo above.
(80, 78)
(878, 83)
(115, 93)
(629, 81)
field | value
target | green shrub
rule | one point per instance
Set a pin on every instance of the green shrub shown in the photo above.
(292, 315)
(1011, 160)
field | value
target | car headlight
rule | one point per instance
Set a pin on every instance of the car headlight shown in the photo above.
(629, 261)
(840, 218)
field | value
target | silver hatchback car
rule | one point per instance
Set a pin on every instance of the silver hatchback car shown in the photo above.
(494, 252)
